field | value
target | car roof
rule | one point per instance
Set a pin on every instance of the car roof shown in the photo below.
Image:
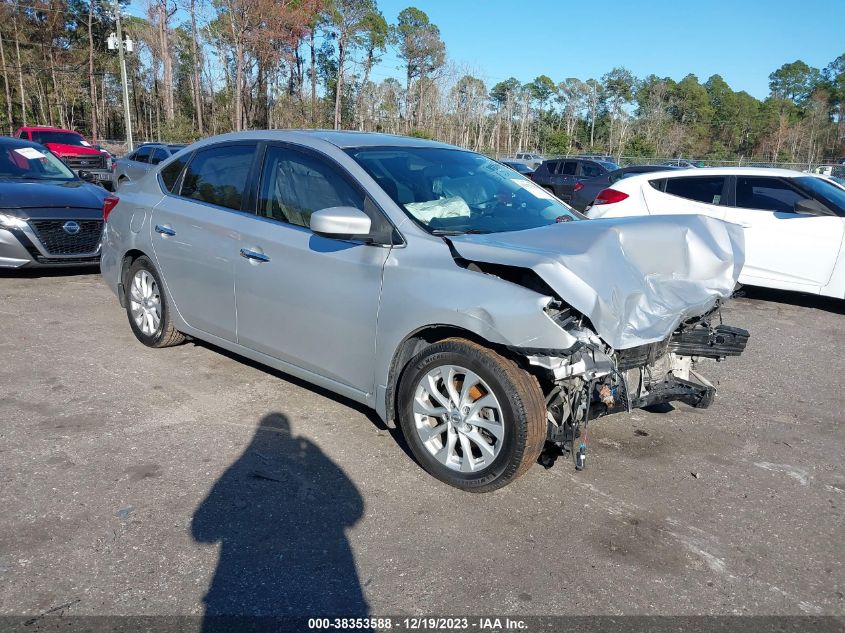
(47, 128)
(339, 138)
(723, 171)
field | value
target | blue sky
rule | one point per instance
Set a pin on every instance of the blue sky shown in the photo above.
(743, 40)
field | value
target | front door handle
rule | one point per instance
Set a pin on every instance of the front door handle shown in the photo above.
(165, 230)
(253, 255)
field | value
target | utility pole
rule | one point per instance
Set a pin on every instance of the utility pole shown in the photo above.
(120, 45)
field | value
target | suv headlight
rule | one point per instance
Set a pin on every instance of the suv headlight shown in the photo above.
(11, 221)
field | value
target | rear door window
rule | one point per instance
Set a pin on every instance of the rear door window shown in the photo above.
(589, 170)
(568, 168)
(143, 155)
(159, 154)
(769, 194)
(218, 175)
(706, 189)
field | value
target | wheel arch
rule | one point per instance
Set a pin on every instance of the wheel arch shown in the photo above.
(126, 263)
(417, 341)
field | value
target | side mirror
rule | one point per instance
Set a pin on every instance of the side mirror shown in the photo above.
(810, 206)
(341, 223)
(87, 176)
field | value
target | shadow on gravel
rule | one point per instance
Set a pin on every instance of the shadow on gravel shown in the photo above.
(280, 515)
(331, 395)
(800, 299)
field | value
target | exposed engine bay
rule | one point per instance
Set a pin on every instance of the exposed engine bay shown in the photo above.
(590, 379)
(594, 380)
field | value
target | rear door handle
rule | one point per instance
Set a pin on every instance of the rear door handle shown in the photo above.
(165, 230)
(259, 257)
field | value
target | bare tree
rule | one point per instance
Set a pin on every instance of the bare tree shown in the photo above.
(9, 117)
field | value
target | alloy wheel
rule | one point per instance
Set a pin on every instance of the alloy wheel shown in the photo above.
(458, 418)
(145, 302)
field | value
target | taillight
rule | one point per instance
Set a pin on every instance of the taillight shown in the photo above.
(578, 187)
(109, 203)
(609, 196)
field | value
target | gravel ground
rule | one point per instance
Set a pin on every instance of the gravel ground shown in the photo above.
(140, 481)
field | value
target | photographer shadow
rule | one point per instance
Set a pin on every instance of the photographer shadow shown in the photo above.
(279, 514)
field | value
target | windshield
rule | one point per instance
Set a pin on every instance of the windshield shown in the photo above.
(827, 193)
(29, 163)
(65, 138)
(449, 191)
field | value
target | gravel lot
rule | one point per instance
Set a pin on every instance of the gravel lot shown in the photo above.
(139, 481)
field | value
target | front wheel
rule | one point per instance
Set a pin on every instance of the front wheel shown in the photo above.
(147, 308)
(472, 418)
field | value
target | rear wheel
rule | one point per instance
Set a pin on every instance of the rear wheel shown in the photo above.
(147, 308)
(472, 418)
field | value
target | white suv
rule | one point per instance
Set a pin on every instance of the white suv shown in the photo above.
(794, 222)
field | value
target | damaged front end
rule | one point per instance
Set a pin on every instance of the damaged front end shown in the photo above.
(636, 303)
(593, 380)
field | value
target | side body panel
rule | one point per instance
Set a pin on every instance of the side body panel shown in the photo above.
(314, 303)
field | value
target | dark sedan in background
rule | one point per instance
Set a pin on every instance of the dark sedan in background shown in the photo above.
(522, 168)
(561, 175)
(586, 191)
(48, 216)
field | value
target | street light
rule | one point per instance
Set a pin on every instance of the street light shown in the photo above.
(115, 41)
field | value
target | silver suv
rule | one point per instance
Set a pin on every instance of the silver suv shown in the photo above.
(435, 285)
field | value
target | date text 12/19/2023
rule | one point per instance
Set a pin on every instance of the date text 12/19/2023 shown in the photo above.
(419, 623)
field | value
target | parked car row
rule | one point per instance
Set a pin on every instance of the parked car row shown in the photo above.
(443, 289)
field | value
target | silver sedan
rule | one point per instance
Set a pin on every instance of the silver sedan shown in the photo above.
(146, 157)
(441, 288)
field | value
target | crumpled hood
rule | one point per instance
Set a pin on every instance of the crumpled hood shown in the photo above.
(635, 278)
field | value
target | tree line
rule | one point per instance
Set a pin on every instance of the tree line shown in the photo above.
(204, 67)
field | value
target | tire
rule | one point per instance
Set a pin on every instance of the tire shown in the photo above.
(144, 299)
(512, 428)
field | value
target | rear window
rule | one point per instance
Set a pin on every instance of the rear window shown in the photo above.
(64, 138)
(706, 189)
(143, 154)
(159, 154)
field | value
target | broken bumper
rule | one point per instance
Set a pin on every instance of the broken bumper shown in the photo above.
(698, 393)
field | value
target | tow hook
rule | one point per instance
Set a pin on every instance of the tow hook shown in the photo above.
(581, 457)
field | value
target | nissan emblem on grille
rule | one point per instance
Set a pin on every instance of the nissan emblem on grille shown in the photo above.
(71, 227)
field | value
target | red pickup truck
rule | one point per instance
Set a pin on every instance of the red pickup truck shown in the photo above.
(74, 150)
